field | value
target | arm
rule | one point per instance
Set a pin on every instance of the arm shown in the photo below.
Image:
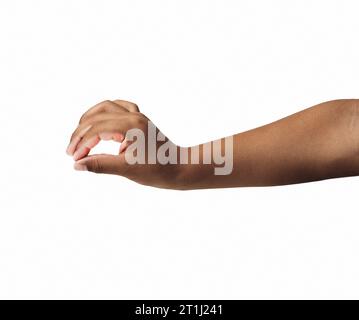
(318, 143)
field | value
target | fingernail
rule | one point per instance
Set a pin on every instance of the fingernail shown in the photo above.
(80, 167)
(76, 153)
(68, 150)
(79, 153)
(71, 147)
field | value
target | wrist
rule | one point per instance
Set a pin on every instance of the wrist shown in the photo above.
(181, 172)
(189, 175)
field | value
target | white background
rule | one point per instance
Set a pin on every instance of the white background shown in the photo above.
(200, 70)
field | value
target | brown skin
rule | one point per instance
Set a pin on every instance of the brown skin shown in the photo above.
(320, 142)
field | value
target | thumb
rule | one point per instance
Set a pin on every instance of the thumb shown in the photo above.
(101, 163)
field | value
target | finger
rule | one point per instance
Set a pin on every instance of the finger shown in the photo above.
(130, 106)
(102, 163)
(104, 106)
(124, 145)
(84, 149)
(103, 130)
(76, 138)
(86, 125)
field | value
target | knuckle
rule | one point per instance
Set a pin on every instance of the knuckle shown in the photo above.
(75, 133)
(82, 118)
(105, 102)
(105, 106)
(139, 120)
(73, 136)
(96, 166)
(135, 107)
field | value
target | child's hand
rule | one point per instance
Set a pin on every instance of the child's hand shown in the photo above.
(112, 120)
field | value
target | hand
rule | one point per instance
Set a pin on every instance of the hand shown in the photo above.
(114, 120)
(317, 143)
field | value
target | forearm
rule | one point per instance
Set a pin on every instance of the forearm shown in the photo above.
(318, 143)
